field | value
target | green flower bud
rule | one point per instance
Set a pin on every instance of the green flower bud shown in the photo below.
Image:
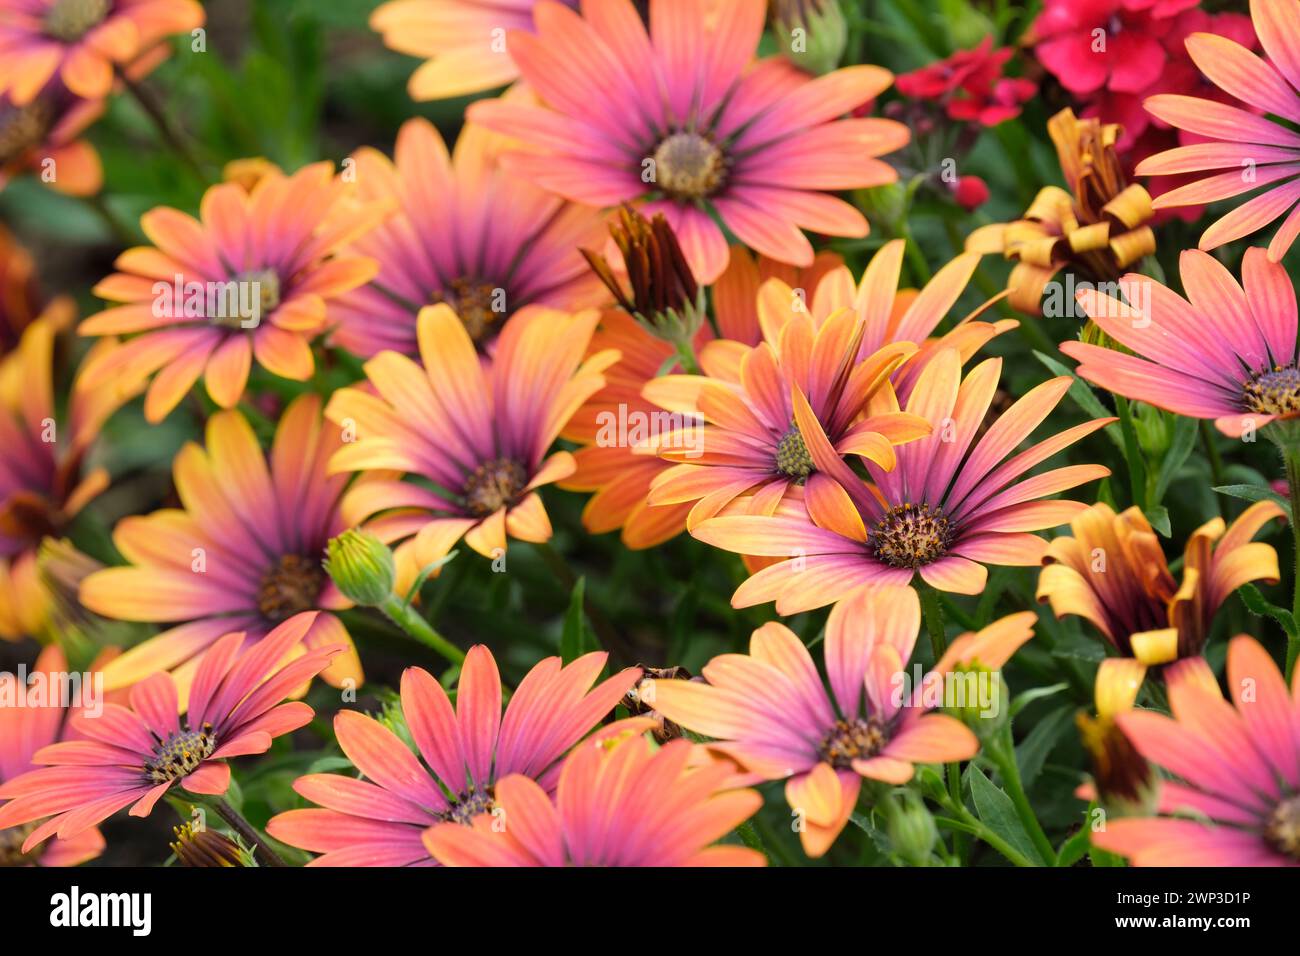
(910, 826)
(812, 33)
(362, 566)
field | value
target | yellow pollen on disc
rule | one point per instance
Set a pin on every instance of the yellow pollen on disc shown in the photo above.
(689, 166)
(1282, 832)
(851, 740)
(1275, 392)
(70, 20)
(494, 485)
(909, 536)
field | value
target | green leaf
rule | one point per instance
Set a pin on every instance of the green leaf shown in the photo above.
(574, 641)
(998, 813)
(1026, 698)
(1039, 742)
(424, 576)
(1256, 603)
(1185, 432)
(1073, 849)
(1255, 493)
(1158, 515)
(1083, 396)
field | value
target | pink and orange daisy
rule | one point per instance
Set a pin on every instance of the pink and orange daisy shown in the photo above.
(465, 232)
(678, 116)
(462, 42)
(42, 137)
(1253, 149)
(955, 501)
(34, 721)
(1234, 796)
(131, 756)
(1227, 352)
(253, 278)
(82, 42)
(771, 712)
(379, 821)
(244, 553)
(620, 801)
(476, 435)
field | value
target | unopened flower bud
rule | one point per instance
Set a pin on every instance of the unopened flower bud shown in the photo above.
(910, 826)
(812, 33)
(362, 566)
(205, 847)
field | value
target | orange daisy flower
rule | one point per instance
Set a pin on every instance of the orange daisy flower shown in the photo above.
(461, 41)
(474, 434)
(1113, 573)
(254, 278)
(771, 712)
(379, 821)
(1234, 799)
(243, 554)
(735, 294)
(466, 233)
(82, 42)
(29, 724)
(131, 756)
(42, 137)
(43, 484)
(952, 504)
(680, 116)
(620, 801)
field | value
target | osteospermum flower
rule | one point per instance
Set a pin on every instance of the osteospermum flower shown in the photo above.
(462, 41)
(678, 117)
(1254, 150)
(1113, 573)
(244, 554)
(952, 504)
(131, 756)
(82, 42)
(30, 720)
(619, 802)
(379, 821)
(253, 278)
(735, 293)
(41, 137)
(1227, 352)
(465, 232)
(478, 432)
(771, 712)
(43, 484)
(1235, 796)
(750, 443)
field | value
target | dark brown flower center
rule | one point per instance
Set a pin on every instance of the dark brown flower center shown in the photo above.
(470, 805)
(1282, 832)
(11, 845)
(851, 740)
(1276, 392)
(70, 20)
(909, 536)
(792, 456)
(289, 587)
(480, 305)
(22, 128)
(180, 754)
(494, 485)
(689, 166)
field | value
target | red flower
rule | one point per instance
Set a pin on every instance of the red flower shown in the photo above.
(971, 86)
(971, 192)
(1116, 45)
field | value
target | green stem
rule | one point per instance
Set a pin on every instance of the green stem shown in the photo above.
(1291, 459)
(967, 822)
(410, 621)
(1003, 754)
(1132, 453)
(251, 837)
(1216, 460)
(932, 612)
(166, 130)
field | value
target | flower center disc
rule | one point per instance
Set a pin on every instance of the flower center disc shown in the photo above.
(792, 456)
(474, 302)
(70, 20)
(23, 128)
(1274, 393)
(470, 805)
(289, 587)
(688, 166)
(180, 754)
(493, 486)
(11, 845)
(909, 536)
(1283, 829)
(851, 740)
